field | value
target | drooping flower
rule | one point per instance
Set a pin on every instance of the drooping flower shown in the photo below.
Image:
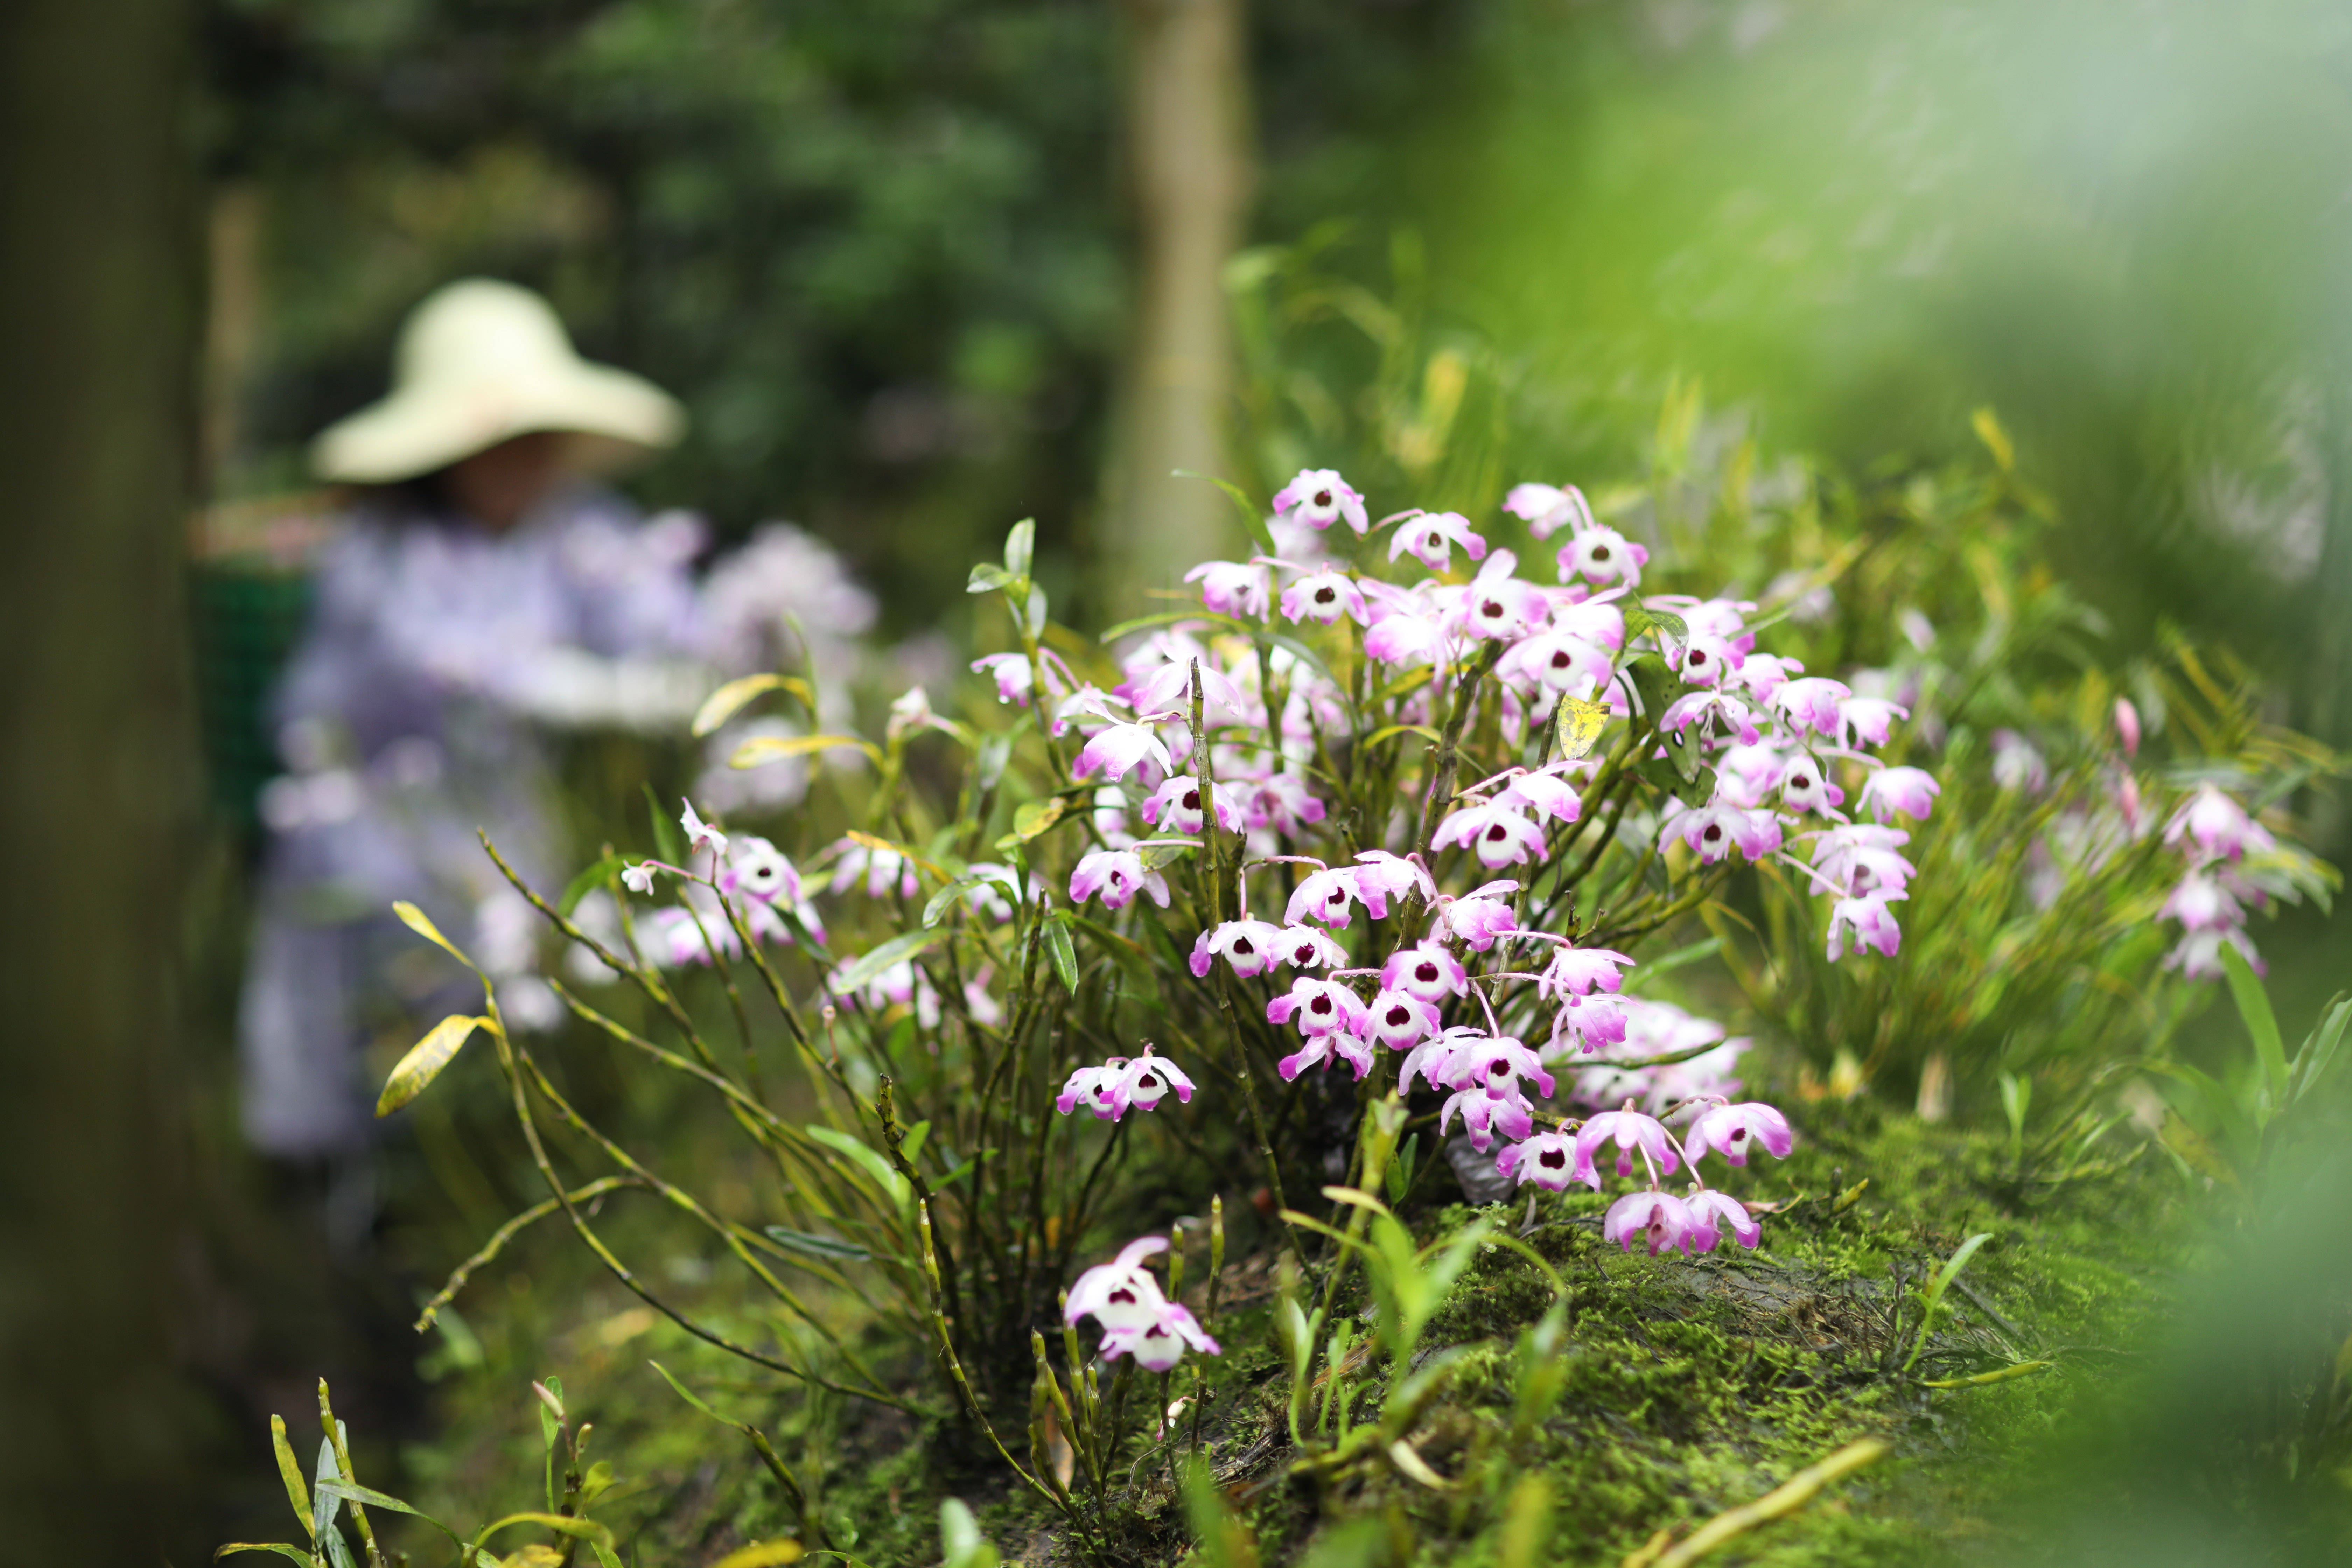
(881, 869)
(1280, 801)
(1119, 1295)
(1868, 921)
(1548, 1160)
(1320, 1006)
(2127, 726)
(1380, 876)
(1629, 1130)
(1235, 588)
(1495, 1062)
(1323, 598)
(1713, 712)
(1814, 701)
(1805, 786)
(1012, 674)
(1429, 538)
(1486, 1111)
(701, 834)
(1659, 1219)
(1499, 606)
(1118, 874)
(2218, 825)
(1712, 1212)
(2017, 764)
(1167, 688)
(2198, 954)
(1545, 793)
(1549, 508)
(1251, 947)
(1589, 1023)
(1319, 498)
(1705, 659)
(1909, 791)
(1117, 748)
(1732, 1130)
(1476, 919)
(1860, 857)
(1404, 634)
(639, 878)
(1323, 1049)
(2203, 902)
(1867, 719)
(1580, 971)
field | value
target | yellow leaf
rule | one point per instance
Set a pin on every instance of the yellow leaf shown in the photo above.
(424, 1061)
(1037, 815)
(729, 699)
(776, 748)
(2192, 1146)
(761, 1555)
(418, 922)
(534, 1555)
(1580, 726)
(1996, 439)
(1403, 1456)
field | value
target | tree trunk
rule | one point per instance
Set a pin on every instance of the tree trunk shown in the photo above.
(97, 287)
(1191, 175)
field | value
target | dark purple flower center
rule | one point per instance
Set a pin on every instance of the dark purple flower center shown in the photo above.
(1193, 800)
(1498, 1068)
(1492, 609)
(1698, 656)
(1325, 595)
(1322, 498)
(1552, 1159)
(1122, 1296)
(1399, 1016)
(1497, 834)
(1737, 1135)
(1426, 974)
(1559, 659)
(1149, 1080)
(1242, 945)
(1600, 553)
(1320, 1005)
(1800, 781)
(1713, 833)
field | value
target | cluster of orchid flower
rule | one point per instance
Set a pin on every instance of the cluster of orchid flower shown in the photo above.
(2210, 829)
(1776, 740)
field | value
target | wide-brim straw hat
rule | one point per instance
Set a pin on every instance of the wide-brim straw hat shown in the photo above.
(480, 362)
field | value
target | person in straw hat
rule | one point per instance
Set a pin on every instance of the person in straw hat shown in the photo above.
(482, 588)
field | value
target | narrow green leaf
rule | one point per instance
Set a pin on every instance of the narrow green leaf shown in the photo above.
(280, 1547)
(424, 1061)
(588, 881)
(1064, 954)
(1938, 1286)
(667, 844)
(881, 958)
(1157, 852)
(2254, 1007)
(688, 1396)
(352, 1493)
(2318, 1053)
(869, 1159)
(1252, 520)
(325, 1506)
(831, 1248)
(561, 1523)
(987, 578)
(1652, 968)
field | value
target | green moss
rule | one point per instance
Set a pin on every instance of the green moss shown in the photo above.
(1689, 1387)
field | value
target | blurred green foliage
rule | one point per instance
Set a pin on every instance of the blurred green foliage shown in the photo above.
(876, 248)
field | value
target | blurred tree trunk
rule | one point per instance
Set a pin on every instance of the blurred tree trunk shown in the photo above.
(1190, 173)
(96, 328)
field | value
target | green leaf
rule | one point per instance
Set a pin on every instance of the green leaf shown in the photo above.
(2254, 1007)
(666, 843)
(2318, 1052)
(961, 1540)
(993, 754)
(688, 1396)
(424, 1061)
(352, 1493)
(1060, 949)
(987, 578)
(881, 958)
(830, 1248)
(868, 1160)
(561, 1523)
(290, 1470)
(1640, 619)
(1941, 1283)
(280, 1547)
(418, 922)
(1157, 853)
(1652, 968)
(729, 699)
(588, 881)
(325, 1506)
(911, 1146)
(1128, 953)
(1020, 546)
(1253, 519)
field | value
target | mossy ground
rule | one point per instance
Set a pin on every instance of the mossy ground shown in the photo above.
(1689, 1386)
